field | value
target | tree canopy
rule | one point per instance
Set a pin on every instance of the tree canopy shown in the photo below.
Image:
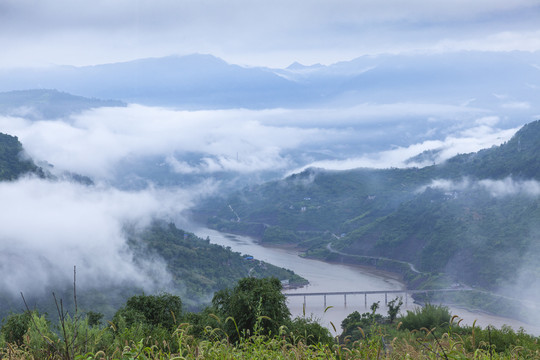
(253, 301)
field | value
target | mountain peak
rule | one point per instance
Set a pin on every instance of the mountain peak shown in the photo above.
(298, 66)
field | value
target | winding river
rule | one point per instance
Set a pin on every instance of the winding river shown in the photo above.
(328, 277)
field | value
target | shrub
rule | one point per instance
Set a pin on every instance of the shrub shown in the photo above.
(310, 332)
(154, 310)
(253, 302)
(15, 326)
(428, 316)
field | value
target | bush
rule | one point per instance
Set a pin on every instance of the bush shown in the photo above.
(310, 332)
(253, 302)
(429, 317)
(15, 326)
(154, 310)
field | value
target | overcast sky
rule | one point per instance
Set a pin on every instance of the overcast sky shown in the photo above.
(251, 32)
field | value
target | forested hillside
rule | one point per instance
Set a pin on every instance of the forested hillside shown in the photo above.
(199, 268)
(473, 218)
(12, 159)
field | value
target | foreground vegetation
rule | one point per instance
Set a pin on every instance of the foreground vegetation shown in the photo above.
(251, 321)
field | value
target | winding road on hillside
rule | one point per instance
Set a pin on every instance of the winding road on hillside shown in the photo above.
(411, 266)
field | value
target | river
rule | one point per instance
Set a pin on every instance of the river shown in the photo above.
(323, 276)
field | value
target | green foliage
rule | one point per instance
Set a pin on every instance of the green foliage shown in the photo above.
(196, 265)
(40, 339)
(393, 308)
(94, 318)
(15, 326)
(309, 331)
(500, 340)
(391, 217)
(358, 326)
(12, 162)
(428, 316)
(253, 302)
(155, 310)
(300, 338)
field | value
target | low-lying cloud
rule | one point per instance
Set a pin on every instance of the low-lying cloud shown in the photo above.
(466, 141)
(49, 227)
(245, 141)
(496, 188)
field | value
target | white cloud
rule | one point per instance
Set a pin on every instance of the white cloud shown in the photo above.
(49, 227)
(496, 188)
(508, 186)
(94, 142)
(462, 142)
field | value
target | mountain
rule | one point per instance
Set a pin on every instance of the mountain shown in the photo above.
(473, 218)
(187, 81)
(41, 104)
(502, 82)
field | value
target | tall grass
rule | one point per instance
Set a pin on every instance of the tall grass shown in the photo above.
(130, 343)
(428, 316)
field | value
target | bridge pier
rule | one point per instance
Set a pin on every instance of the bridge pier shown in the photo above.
(345, 299)
(365, 300)
(325, 301)
(385, 298)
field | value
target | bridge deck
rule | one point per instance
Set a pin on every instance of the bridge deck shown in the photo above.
(371, 292)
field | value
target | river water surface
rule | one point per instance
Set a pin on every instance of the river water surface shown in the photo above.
(327, 277)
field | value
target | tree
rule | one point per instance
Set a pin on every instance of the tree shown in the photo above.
(393, 308)
(310, 332)
(15, 326)
(155, 310)
(253, 301)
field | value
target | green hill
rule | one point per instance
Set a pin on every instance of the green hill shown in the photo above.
(472, 218)
(199, 268)
(13, 162)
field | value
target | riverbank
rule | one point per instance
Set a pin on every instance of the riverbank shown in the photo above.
(474, 300)
(338, 275)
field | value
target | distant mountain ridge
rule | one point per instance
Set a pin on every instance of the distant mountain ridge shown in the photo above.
(39, 104)
(508, 80)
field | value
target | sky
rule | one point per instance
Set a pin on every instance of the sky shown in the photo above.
(247, 32)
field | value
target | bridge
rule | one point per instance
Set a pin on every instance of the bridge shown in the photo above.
(366, 293)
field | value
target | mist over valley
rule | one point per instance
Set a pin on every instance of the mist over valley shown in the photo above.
(413, 153)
